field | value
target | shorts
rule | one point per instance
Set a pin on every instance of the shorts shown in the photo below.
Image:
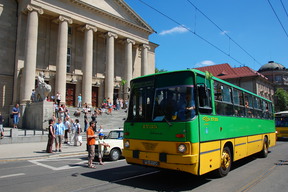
(91, 151)
(58, 139)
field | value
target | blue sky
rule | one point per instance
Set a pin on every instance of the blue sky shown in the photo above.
(250, 23)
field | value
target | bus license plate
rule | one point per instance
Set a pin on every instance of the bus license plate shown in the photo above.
(149, 162)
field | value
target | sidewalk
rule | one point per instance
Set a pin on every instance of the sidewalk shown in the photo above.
(26, 151)
(34, 146)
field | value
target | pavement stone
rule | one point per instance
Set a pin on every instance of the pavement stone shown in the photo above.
(32, 150)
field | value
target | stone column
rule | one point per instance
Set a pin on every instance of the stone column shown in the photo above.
(88, 64)
(144, 59)
(129, 61)
(61, 59)
(109, 75)
(29, 70)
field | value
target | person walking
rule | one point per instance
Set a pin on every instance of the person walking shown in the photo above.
(51, 136)
(59, 129)
(16, 115)
(77, 130)
(91, 138)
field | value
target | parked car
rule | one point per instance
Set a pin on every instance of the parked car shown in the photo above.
(115, 140)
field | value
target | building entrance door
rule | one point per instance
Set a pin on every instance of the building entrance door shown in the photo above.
(95, 96)
(70, 94)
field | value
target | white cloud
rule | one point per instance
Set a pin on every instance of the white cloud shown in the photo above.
(204, 63)
(179, 29)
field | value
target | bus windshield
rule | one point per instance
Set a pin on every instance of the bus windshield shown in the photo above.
(174, 104)
(281, 121)
(149, 104)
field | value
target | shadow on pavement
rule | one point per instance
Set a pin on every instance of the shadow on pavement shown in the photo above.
(148, 178)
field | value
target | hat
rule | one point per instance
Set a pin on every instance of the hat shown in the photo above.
(101, 134)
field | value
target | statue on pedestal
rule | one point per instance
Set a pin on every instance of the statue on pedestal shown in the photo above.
(43, 89)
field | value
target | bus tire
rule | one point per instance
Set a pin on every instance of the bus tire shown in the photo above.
(264, 152)
(226, 162)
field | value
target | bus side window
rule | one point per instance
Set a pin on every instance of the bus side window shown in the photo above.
(204, 99)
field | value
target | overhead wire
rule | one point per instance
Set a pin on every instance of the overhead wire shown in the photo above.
(284, 7)
(277, 17)
(194, 32)
(217, 26)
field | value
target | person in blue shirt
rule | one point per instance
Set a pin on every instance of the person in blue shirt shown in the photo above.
(16, 115)
(79, 101)
(59, 129)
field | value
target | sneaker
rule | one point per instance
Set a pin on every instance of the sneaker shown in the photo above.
(60, 150)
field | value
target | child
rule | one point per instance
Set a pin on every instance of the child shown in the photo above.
(101, 147)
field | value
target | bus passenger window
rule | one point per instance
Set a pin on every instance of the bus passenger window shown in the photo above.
(248, 105)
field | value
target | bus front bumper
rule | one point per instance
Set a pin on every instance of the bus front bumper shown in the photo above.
(181, 162)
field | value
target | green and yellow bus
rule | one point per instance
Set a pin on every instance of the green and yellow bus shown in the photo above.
(281, 120)
(190, 121)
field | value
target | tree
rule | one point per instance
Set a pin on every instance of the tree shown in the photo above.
(123, 83)
(159, 71)
(281, 99)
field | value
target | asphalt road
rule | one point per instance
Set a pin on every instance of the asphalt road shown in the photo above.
(71, 174)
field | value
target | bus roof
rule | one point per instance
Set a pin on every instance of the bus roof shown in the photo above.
(203, 73)
(282, 113)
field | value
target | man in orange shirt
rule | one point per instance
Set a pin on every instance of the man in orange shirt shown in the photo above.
(91, 143)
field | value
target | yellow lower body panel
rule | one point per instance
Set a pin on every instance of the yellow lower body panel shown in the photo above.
(170, 159)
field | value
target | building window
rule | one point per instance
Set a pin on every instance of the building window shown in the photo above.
(278, 79)
(68, 60)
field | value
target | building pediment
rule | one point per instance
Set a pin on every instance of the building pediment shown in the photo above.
(115, 9)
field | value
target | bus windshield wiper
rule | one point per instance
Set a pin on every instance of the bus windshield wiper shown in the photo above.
(170, 124)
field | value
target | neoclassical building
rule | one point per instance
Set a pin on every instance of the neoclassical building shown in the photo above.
(276, 73)
(82, 46)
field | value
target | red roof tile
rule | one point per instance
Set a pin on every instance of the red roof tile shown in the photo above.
(225, 71)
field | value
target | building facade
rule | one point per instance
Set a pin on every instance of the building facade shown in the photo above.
(276, 74)
(81, 46)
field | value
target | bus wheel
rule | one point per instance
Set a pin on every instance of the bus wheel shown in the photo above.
(226, 161)
(264, 152)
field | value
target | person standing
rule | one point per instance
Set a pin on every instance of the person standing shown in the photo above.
(67, 129)
(61, 112)
(85, 121)
(59, 129)
(110, 108)
(1, 126)
(58, 98)
(16, 115)
(91, 138)
(51, 136)
(79, 101)
(77, 129)
(101, 147)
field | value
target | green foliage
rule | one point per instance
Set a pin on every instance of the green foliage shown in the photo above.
(123, 82)
(159, 71)
(281, 99)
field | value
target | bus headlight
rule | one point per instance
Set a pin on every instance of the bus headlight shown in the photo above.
(182, 148)
(127, 144)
